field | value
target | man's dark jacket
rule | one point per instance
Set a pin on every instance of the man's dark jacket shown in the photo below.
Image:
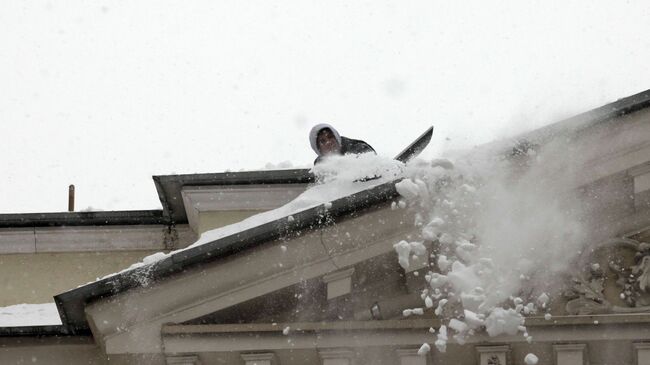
(351, 146)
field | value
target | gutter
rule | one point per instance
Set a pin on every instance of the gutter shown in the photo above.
(40, 331)
(102, 218)
(71, 304)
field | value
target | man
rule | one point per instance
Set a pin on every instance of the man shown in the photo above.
(326, 141)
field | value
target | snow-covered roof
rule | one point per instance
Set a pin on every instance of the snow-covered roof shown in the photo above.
(71, 304)
(20, 315)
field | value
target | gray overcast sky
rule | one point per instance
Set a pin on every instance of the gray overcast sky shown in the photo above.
(104, 94)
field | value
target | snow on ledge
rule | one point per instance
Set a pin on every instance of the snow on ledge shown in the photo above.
(24, 315)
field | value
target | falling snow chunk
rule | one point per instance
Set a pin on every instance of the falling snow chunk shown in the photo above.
(462, 277)
(290, 218)
(446, 239)
(428, 302)
(437, 222)
(458, 326)
(440, 307)
(503, 321)
(542, 300)
(424, 349)
(473, 300)
(468, 188)
(473, 320)
(409, 312)
(441, 342)
(283, 248)
(403, 250)
(401, 204)
(286, 330)
(443, 263)
(327, 205)
(418, 248)
(432, 330)
(441, 345)
(430, 233)
(408, 189)
(548, 316)
(531, 359)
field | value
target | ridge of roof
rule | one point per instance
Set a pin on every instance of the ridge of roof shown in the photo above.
(582, 121)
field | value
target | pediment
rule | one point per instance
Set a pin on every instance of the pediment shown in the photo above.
(376, 281)
(233, 285)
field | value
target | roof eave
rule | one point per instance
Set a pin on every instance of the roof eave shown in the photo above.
(71, 304)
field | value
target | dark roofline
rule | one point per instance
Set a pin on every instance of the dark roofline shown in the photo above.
(71, 304)
(41, 331)
(580, 122)
(127, 217)
(169, 186)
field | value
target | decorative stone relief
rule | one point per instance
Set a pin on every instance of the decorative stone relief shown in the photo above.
(586, 293)
(627, 264)
(493, 360)
(493, 355)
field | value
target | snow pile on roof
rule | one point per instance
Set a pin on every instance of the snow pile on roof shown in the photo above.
(501, 230)
(337, 177)
(23, 315)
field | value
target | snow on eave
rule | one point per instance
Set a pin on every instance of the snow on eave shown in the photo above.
(30, 320)
(71, 303)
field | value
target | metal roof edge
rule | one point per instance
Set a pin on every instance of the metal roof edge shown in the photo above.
(41, 331)
(242, 177)
(99, 218)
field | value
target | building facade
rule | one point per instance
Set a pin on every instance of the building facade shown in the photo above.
(324, 286)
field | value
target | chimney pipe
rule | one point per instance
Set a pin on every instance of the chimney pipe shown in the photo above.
(71, 198)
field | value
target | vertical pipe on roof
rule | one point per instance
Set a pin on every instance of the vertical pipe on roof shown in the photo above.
(71, 198)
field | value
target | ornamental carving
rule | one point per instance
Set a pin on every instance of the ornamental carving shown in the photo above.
(618, 281)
